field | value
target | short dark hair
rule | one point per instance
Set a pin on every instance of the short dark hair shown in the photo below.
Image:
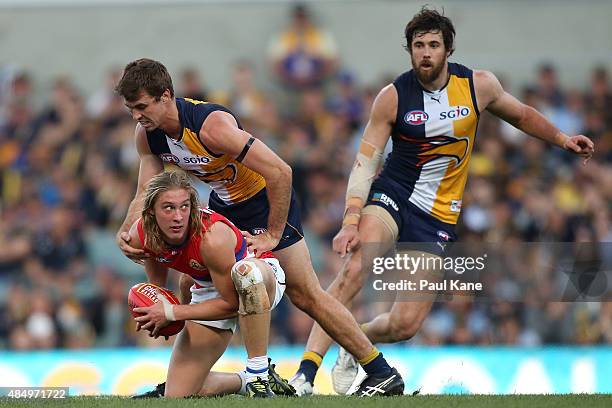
(144, 74)
(428, 20)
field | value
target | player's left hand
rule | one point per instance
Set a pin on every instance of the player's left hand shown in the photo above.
(260, 243)
(581, 145)
(153, 319)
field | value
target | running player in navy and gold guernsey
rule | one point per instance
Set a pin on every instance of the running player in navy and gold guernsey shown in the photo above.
(231, 181)
(431, 112)
(251, 187)
(433, 134)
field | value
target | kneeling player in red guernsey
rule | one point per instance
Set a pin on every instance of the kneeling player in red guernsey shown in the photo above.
(228, 283)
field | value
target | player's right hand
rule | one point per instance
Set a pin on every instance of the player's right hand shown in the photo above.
(135, 254)
(260, 243)
(346, 240)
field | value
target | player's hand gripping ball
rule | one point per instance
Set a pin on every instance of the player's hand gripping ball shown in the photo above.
(146, 294)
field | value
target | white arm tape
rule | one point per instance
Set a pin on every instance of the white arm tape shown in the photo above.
(363, 173)
(168, 308)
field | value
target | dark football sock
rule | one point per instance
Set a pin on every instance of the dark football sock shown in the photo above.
(310, 364)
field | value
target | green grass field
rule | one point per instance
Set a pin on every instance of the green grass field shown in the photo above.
(421, 401)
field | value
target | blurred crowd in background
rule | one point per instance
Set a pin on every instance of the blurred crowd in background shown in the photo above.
(68, 173)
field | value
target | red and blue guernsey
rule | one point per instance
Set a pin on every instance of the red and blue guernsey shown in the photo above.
(187, 258)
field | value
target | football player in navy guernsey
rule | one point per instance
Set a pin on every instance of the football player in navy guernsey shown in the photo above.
(431, 113)
(251, 187)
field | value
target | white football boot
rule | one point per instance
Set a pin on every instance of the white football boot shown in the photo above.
(302, 387)
(344, 372)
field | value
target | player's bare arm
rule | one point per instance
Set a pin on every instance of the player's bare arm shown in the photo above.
(217, 248)
(220, 133)
(150, 165)
(369, 157)
(491, 96)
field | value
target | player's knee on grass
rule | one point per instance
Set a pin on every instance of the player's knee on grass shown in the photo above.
(249, 282)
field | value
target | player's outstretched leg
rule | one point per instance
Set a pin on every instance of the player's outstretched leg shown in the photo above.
(378, 232)
(305, 292)
(400, 324)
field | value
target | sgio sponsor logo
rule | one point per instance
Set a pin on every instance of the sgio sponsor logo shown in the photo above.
(196, 160)
(456, 112)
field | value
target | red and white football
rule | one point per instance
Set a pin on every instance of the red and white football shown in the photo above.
(145, 294)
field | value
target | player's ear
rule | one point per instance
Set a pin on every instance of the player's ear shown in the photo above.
(165, 96)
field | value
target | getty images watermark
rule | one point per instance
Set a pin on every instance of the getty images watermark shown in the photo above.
(512, 271)
(432, 266)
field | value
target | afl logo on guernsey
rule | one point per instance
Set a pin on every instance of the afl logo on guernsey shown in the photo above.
(169, 158)
(416, 117)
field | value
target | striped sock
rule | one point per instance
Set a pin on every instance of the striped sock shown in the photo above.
(257, 367)
(375, 364)
(310, 364)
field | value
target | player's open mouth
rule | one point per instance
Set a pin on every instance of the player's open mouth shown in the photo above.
(176, 229)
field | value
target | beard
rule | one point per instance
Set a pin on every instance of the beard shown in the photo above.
(430, 75)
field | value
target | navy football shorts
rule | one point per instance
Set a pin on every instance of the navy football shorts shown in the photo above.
(252, 215)
(414, 225)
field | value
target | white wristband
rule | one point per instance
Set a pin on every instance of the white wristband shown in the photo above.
(168, 308)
